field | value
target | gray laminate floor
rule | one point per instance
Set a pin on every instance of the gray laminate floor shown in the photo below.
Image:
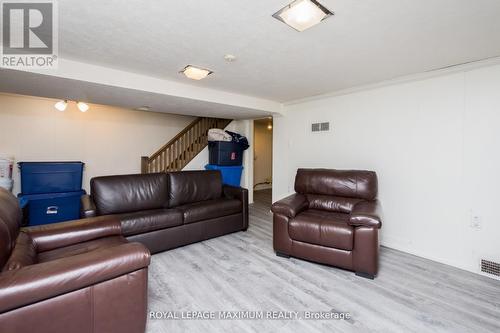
(240, 272)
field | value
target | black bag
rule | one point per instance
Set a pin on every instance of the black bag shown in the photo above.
(239, 139)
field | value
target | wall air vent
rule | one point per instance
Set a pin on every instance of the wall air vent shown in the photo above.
(491, 268)
(320, 127)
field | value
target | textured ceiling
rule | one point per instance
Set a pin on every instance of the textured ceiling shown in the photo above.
(366, 41)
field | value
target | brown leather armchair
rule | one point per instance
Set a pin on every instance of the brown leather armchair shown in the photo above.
(333, 218)
(79, 276)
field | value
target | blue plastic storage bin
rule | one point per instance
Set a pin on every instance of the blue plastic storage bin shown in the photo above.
(50, 177)
(52, 207)
(231, 175)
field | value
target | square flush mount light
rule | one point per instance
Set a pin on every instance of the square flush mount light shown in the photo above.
(196, 73)
(302, 14)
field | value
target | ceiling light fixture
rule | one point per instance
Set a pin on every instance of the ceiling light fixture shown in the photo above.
(61, 105)
(195, 73)
(143, 108)
(269, 126)
(82, 106)
(230, 57)
(302, 14)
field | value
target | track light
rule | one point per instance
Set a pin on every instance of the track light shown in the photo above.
(82, 106)
(61, 105)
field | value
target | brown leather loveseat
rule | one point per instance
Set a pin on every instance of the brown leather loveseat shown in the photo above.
(333, 218)
(168, 210)
(79, 277)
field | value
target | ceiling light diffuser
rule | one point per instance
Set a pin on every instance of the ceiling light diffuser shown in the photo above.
(230, 57)
(61, 105)
(196, 73)
(302, 14)
(82, 106)
(143, 108)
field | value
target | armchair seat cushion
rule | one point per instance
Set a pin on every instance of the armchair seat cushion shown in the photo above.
(323, 228)
(80, 248)
(210, 209)
(149, 220)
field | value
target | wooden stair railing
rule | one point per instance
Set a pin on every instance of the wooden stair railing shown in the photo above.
(179, 151)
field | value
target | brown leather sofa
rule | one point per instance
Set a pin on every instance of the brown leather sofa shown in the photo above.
(168, 210)
(333, 218)
(78, 277)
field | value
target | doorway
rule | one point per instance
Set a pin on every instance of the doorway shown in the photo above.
(263, 160)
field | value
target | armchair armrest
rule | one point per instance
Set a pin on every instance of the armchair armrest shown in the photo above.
(53, 236)
(367, 214)
(291, 206)
(87, 207)
(34, 283)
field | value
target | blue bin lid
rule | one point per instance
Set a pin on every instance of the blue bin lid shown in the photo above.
(49, 163)
(221, 167)
(29, 197)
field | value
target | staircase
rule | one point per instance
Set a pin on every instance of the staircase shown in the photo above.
(179, 151)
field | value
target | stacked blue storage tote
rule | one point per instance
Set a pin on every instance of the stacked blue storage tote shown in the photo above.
(231, 175)
(227, 157)
(51, 191)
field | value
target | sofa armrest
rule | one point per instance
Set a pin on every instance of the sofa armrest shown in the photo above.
(366, 214)
(87, 207)
(35, 283)
(53, 236)
(233, 192)
(241, 194)
(291, 206)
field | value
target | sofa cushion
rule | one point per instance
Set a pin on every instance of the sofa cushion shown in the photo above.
(210, 209)
(149, 220)
(193, 186)
(129, 193)
(332, 203)
(80, 248)
(341, 183)
(322, 228)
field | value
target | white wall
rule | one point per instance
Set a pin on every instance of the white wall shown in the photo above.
(263, 155)
(434, 144)
(245, 128)
(199, 161)
(109, 140)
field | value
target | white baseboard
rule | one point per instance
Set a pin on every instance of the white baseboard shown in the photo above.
(404, 245)
(263, 187)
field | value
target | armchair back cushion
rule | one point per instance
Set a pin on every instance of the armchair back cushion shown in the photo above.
(10, 222)
(332, 203)
(194, 186)
(339, 183)
(129, 193)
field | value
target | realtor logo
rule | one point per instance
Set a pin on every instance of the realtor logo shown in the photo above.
(29, 34)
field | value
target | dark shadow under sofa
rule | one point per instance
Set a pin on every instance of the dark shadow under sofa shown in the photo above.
(167, 210)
